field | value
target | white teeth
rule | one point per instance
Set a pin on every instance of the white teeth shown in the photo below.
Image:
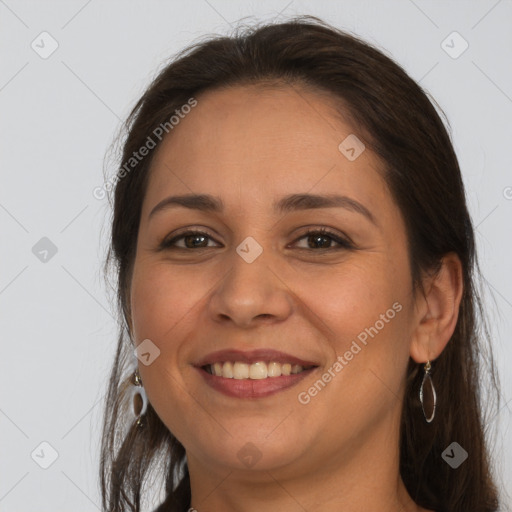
(296, 368)
(258, 371)
(217, 369)
(274, 369)
(227, 370)
(255, 371)
(286, 369)
(240, 370)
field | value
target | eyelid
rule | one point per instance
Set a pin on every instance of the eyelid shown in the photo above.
(312, 229)
(343, 241)
(180, 234)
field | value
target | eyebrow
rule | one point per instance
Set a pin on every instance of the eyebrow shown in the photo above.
(293, 202)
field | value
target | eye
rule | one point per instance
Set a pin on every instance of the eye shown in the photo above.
(321, 238)
(191, 240)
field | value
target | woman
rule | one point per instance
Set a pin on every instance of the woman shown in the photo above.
(295, 264)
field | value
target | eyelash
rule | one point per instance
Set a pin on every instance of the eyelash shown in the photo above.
(343, 242)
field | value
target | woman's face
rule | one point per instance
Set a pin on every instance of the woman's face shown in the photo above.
(253, 287)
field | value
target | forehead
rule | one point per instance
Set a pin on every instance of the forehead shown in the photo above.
(262, 142)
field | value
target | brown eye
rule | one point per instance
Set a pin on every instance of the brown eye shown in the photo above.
(322, 239)
(318, 239)
(191, 240)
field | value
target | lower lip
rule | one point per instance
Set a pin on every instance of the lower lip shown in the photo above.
(253, 388)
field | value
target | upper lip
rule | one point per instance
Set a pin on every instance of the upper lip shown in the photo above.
(252, 356)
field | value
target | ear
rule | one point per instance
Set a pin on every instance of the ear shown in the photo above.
(437, 310)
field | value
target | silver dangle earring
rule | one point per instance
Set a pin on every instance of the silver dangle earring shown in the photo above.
(428, 394)
(139, 398)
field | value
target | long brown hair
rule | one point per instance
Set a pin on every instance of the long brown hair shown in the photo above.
(400, 124)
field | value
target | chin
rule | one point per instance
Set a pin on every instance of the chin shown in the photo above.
(250, 449)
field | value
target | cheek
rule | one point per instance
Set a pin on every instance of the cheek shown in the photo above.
(164, 301)
(364, 310)
(351, 298)
(161, 299)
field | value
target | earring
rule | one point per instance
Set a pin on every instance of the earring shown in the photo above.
(428, 393)
(139, 398)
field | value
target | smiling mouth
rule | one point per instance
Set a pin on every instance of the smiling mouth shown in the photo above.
(253, 374)
(256, 371)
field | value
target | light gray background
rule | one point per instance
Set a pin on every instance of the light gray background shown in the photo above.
(58, 117)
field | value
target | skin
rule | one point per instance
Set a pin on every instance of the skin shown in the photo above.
(251, 146)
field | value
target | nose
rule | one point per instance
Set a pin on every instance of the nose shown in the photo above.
(251, 293)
